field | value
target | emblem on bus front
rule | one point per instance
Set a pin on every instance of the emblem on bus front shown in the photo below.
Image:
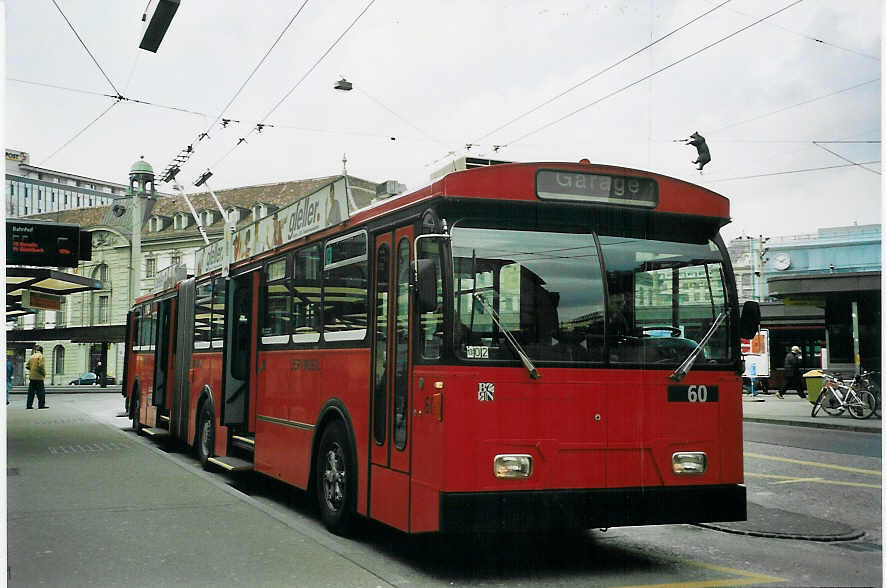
(485, 391)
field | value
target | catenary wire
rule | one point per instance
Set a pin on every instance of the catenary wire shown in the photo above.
(804, 102)
(380, 103)
(45, 85)
(85, 47)
(124, 98)
(601, 72)
(80, 132)
(188, 151)
(835, 154)
(297, 84)
(793, 171)
(258, 65)
(810, 37)
(322, 57)
(646, 77)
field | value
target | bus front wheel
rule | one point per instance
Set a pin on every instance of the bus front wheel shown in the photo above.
(335, 475)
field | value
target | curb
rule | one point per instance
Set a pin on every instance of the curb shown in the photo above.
(816, 425)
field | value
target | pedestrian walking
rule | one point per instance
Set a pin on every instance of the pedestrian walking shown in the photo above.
(36, 373)
(793, 378)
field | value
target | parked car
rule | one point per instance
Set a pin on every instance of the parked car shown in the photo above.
(90, 379)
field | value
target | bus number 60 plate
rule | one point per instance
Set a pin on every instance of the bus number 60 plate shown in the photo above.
(694, 393)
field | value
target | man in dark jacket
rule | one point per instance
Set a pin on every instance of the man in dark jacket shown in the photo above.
(793, 377)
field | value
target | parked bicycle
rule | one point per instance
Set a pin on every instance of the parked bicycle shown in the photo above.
(837, 396)
(870, 381)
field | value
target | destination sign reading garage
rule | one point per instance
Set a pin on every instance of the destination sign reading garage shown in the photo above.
(586, 187)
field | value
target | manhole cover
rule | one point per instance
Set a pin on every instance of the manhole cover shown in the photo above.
(777, 523)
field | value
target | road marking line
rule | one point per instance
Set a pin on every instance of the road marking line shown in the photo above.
(789, 480)
(743, 579)
(795, 480)
(816, 464)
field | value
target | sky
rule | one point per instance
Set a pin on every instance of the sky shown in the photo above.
(542, 80)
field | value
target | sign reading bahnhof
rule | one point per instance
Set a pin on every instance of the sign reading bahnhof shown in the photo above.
(46, 244)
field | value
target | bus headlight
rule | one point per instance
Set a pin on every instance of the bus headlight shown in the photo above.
(689, 462)
(512, 466)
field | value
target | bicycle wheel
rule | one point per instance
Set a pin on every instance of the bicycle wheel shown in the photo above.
(862, 406)
(830, 404)
(816, 407)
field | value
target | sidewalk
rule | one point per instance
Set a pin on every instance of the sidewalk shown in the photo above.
(793, 410)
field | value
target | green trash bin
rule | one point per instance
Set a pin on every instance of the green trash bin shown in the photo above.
(814, 380)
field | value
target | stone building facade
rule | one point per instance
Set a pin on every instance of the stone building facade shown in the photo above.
(169, 237)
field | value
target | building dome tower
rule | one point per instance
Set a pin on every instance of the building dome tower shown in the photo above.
(141, 178)
(141, 186)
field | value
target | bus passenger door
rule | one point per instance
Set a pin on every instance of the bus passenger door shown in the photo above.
(238, 328)
(161, 357)
(391, 447)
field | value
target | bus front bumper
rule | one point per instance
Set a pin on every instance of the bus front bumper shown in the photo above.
(598, 508)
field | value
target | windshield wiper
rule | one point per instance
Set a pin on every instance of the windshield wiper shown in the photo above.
(684, 368)
(509, 337)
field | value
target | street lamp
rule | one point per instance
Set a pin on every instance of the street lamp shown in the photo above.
(343, 85)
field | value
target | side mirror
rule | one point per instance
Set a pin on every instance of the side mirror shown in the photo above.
(425, 285)
(749, 323)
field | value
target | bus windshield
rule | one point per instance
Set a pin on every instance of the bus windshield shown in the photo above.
(578, 297)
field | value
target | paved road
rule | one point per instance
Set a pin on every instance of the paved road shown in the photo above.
(92, 504)
(834, 441)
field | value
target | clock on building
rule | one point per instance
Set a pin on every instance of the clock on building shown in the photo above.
(781, 261)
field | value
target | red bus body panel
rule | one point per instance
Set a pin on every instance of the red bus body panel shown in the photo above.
(294, 386)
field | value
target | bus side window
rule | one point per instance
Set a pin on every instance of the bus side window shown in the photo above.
(217, 324)
(306, 307)
(345, 304)
(202, 315)
(277, 301)
(431, 323)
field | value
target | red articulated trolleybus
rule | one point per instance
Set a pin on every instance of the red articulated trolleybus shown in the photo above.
(519, 346)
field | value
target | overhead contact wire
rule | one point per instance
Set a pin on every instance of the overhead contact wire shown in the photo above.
(80, 132)
(602, 71)
(656, 72)
(297, 84)
(87, 48)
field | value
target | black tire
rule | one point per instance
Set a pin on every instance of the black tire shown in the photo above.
(135, 407)
(336, 476)
(831, 405)
(816, 407)
(204, 438)
(865, 406)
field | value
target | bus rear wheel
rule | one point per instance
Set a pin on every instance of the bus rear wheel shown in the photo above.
(135, 407)
(335, 475)
(205, 436)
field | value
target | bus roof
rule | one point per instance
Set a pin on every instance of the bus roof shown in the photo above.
(583, 183)
(518, 182)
